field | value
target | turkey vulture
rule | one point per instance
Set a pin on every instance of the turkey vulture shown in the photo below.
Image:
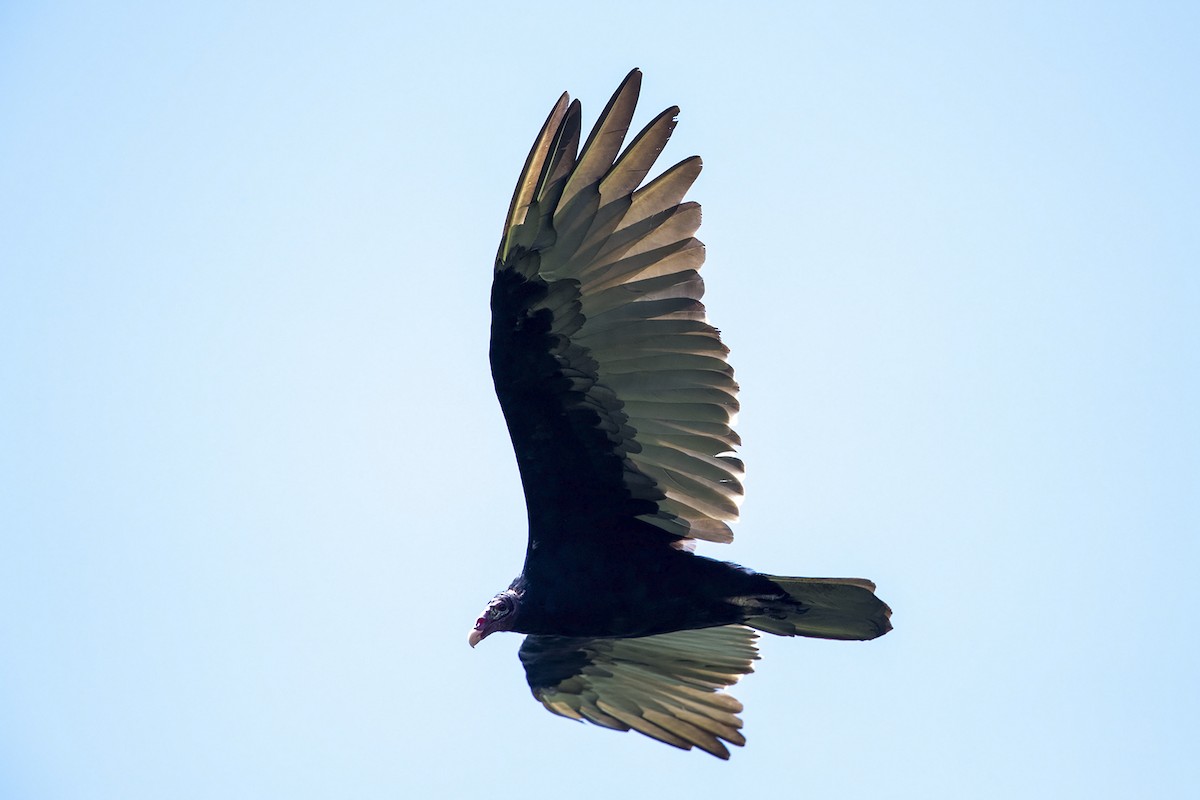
(619, 400)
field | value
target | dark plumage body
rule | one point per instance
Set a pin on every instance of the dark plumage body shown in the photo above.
(655, 591)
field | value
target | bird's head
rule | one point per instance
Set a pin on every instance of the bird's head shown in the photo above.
(500, 615)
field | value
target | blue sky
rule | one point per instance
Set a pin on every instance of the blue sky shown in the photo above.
(255, 487)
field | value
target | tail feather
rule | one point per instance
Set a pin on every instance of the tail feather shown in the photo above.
(825, 608)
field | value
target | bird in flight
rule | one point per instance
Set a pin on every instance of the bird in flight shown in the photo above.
(619, 400)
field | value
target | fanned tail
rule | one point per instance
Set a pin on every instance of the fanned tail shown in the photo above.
(825, 608)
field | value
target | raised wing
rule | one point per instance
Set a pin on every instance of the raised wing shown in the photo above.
(616, 390)
(667, 686)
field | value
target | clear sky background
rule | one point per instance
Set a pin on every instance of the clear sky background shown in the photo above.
(255, 487)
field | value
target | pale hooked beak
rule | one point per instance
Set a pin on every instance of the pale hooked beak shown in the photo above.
(476, 637)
